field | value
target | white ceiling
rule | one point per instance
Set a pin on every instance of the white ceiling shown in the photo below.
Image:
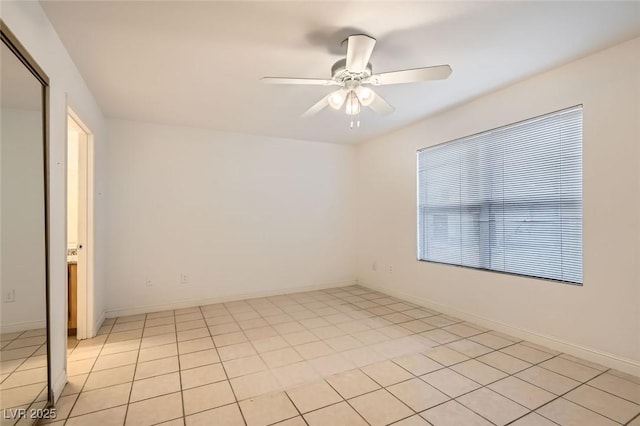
(198, 63)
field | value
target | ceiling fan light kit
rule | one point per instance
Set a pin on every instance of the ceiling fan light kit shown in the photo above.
(354, 74)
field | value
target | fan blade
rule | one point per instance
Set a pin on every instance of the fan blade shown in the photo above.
(303, 81)
(380, 106)
(439, 72)
(317, 107)
(359, 48)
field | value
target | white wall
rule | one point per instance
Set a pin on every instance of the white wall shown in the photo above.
(601, 316)
(28, 22)
(239, 214)
(23, 243)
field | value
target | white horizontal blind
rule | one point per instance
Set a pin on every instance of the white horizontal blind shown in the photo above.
(507, 200)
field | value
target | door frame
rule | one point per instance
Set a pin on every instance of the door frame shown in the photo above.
(86, 235)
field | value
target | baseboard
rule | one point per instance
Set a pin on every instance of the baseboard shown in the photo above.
(22, 326)
(58, 385)
(589, 354)
(119, 312)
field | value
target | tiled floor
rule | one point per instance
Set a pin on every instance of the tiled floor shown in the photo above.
(23, 370)
(347, 356)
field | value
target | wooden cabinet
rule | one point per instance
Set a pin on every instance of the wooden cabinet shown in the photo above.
(72, 302)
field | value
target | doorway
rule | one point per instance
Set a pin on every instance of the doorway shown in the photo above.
(79, 228)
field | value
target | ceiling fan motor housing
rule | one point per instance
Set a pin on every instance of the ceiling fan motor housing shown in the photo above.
(340, 73)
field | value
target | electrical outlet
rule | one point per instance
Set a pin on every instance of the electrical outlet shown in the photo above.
(9, 296)
(149, 282)
(184, 278)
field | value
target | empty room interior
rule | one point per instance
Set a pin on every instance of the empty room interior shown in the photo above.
(320, 213)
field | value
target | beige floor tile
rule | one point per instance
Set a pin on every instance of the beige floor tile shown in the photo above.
(328, 332)
(446, 356)
(547, 380)
(156, 367)
(124, 335)
(158, 340)
(414, 420)
(566, 413)
(155, 410)
(229, 339)
(198, 359)
(604, 403)
(281, 357)
(195, 345)
(469, 348)
(527, 353)
(254, 384)
(571, 369)
(115, 360)
(522, 392)
(100, 399)
(313, 350)
(63, 406)
(194, 333)
(634, 422)
(129, 318)
(288, 327)
(155, 322)
(450, 382)
(261, 333)
(190, 325)
(300, 337)
(417, 394)
(590, 364)
(335, 415)
(352, 383)
(267, 409)
(440, 336)
(331, 364)
(386, 373)
(294, 374)
(126, 326)
(492, 406)
(617, 386)
(478, 372)
(453, 413)
(380, 408)
(157, 352)
(26, 377)
(243, 366)
(229, 327)
(268, 344)
(238, 350)
(252, 324)
(80, 367)
(202, 375)
(155, 386)
(314, 395)
(74, 384)
(533, 419)
(491, 340)
(370, 337)
(417, 364)
(462, 330)
(110, 377)
(295, 421)
(417, 326)
(626, 376)
(504, 362)
(118, 347)
(109, 417)
(228, 415)
(207, 397)
(362, 356)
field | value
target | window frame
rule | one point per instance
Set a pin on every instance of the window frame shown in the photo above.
(422, 236)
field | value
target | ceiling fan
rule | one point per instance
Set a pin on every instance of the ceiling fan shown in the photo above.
(353, 75)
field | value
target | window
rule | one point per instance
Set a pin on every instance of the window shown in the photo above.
(507, 200)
